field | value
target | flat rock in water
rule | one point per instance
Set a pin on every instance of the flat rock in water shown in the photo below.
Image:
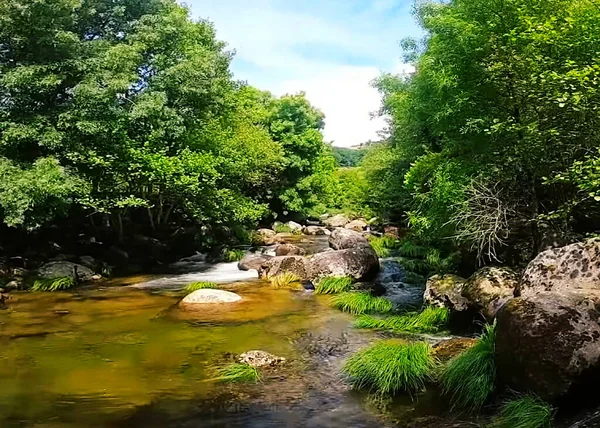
(260, 359)
(204, 296)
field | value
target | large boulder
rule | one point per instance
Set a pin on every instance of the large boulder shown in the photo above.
(253, 261)
(575, 266)
(490, 288)
(359, 263)
(339, 220)
(342, 239)
(63, 268)
(208, 296)
(294, 227)
(289, 250)
(549, 343)
(266, 236)
(357, 225)
(445, 291)
(277, 265)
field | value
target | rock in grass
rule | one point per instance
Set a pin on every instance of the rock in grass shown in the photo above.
(208, 296)
(358, 263)
(488, 289)
(342, 239)
(257, 358)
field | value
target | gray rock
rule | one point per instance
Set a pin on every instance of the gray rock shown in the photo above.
(315, 230)
(360, 263)
(342, 239)
(266, 236)
(253, 261)
(549, 342)
(357, 225)
(490, 288)
(294, 227)
(260, 359)
(208, 296)
(289, 250)
(446, 291)
(64, 268)
(338, 220)
(277, 265)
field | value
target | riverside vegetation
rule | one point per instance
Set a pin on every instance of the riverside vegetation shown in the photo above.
(125, 140)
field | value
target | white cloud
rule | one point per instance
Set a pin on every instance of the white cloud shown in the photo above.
(345, 45)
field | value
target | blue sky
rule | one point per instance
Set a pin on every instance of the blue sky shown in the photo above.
(331, 49)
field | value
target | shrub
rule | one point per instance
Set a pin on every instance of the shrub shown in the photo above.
(430, 320)
(333, 285)
(391, 367)
(358, 303)
(286, 280)
(239, 373)
(525, 411)
(232, 255)
(199, 286)
(53, 284)
(469, 378)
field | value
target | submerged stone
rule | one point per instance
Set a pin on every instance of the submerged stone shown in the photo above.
(207, 296)
(257, 358)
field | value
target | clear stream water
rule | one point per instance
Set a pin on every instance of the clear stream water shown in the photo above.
(124, 355)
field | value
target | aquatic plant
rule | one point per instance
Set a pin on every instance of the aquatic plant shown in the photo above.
(390, 367)
(286, 280)
(238, 372)
(470, 377)
(199, 286)
(333, 285)
(53, 284)
(429, 320)
(359, 303)
(525, 411)
(232, 255)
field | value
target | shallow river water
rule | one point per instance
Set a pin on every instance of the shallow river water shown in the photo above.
(125, 355)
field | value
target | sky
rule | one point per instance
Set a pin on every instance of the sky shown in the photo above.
(330, 49)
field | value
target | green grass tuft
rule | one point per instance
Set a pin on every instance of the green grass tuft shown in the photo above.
(53, 284)
(199, 286)
(238, 372)
(333, 285)
(391, 367)
(384, 245)
(286, 280)
(469, 378)
(525, 411)
(430, 320)
(359, 303)
(232, 255)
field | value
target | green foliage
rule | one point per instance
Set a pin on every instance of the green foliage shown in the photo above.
(286, 280)
(237, 372)
(414, 278)
(391, 367)
(333, 285)
(347, 158)
(470, 378)
(199, 286)
(232, 255)
(524, 411)
(53, 284)
(283, 228)
(385, 245)
(358, 303)
(429, 320)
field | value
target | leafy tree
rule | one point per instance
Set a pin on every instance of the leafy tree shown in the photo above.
(347, 157)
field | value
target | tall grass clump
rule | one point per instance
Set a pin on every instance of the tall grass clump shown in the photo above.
(470, 377)
(238, 372)
(53, 284)
(286, 280)
(333, 285)
(391, 367)
(384, 245)
(232, 255)
(431, 320)
(358, 303)
(526, 411)
(199, 286)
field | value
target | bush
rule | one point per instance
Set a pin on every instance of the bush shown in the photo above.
(469, 378)
(239, 373)
(333, 285)
(286, 280)
(526, 411)
(391, 367)
(53, 284)
(358, 303)
(199, 286)
(430, 320)
(232, 255)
